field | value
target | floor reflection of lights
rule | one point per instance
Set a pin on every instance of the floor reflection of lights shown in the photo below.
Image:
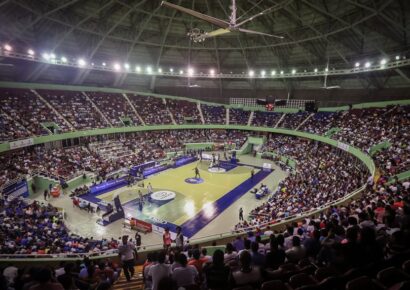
(209, 209)
(189, 208)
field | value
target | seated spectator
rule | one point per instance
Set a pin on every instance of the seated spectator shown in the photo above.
(217, 273)
(248, 274)
(296, 252)
(186, 274)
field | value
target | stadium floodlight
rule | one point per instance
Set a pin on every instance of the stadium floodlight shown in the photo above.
(367, 64)
(293, 71)
(81, 62)
(126, 66)
(46, 56)
(181, 72)
(397, 57)
(326, 69)
(263, 73)
(149, 69)
(63, 59)
(171, 69)
(273, 72)
(315, 70)
(357, 64)
(138, 69)
(383, 61)
(104, 64)
(212, 72)
(281, 72)
(251, 73)
(52, 56)
(117, 66)
(31, 52)
(160, 70)
(7, 47)
(190, 71)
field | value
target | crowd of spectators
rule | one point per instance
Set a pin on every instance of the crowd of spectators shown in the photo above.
(266, 119)
(27, 110)
(293, 120)
(320, 122)
(239, 116)
(214, 114)
(114, 107)
(184, 111)
(75, 108)
(102, 155)
(151, 109)
(323, 174)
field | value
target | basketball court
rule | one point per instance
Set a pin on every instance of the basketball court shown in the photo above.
(185, 201)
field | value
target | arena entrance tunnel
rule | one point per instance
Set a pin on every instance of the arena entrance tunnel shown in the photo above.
(221, 238)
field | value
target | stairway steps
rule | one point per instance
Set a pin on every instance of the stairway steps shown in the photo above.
(136, 282)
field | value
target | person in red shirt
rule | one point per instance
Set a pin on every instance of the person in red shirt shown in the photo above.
(197, 262)
(166, 238)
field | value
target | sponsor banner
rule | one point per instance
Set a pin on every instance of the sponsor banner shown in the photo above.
(216, 170)
(343, 146)
(142, 226)
(21, 143)
(134, 169)
(267, 166)
(108, 186)
(16, 190)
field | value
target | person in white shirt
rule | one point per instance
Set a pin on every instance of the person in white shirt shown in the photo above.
(186, 274)
(126, 253)
(159, 271)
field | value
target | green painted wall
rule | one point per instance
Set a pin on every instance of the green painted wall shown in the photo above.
(198, 146)
(376, 148)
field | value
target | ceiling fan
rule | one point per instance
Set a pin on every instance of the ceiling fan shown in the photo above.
(225, 26)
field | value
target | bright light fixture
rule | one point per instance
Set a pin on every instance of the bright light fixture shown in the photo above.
(315, 70)
(367, 64)
(263, 73)
(138, 69)
(160, 70)
(63, 59)
(8, 47)
(281, 72)
(46, 56)
(126, 66)
(117, 66)
(52, 56)
(190, 71)
(293, 71)
(273, 72)
(212, 72)
(181, 72)
(251, 73)
(397, 57)
(31, 52)
(171, 69)
(326, 69)
(357, 64)
(104, 64)
(81, 62)
(149, 69)
(383, 61)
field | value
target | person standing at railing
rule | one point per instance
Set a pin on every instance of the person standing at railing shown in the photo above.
(126, 253)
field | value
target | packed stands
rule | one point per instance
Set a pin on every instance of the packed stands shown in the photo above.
(214, 114)
(75, 108)
(184, 111)
(239, 116)
(266, 119)
(26, 109)
(320, 123)
(292, 121)
(10, 129)
(114, 107)
(152, 110)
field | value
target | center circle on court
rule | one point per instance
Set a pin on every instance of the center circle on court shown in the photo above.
(163, 195)
(193, 180)
(217, 170)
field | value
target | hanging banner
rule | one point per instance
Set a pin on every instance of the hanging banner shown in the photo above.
(21, 143)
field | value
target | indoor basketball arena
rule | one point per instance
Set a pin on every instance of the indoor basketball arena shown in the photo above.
(204, 144)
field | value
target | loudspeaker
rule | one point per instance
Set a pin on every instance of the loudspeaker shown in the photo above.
(310, 107)
(261, 102)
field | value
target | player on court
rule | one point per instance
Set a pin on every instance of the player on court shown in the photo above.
(197, 175)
